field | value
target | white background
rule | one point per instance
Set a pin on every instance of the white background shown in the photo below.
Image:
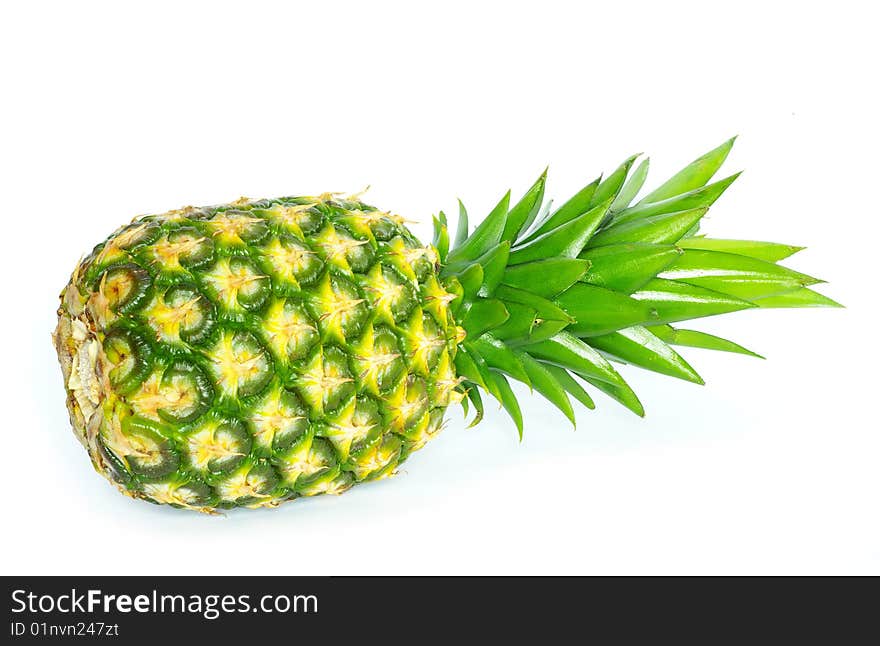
(109, 111)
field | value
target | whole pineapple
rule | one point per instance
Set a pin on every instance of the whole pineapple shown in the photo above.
(254, 352)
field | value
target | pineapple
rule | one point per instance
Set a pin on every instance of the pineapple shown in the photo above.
(251, 353)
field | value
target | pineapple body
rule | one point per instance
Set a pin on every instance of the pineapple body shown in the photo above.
(250, 353)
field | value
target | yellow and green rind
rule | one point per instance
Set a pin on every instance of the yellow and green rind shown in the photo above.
(250, 353)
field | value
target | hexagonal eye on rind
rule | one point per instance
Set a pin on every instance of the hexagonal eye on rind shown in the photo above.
(235, 227)
(376, 459)
(218, 446)
(391, 296)
(249, 484)
(340, 249)
(119, 247)
(326, 380)
(338, 307)
(278, 420)
(185, 247)
(187, 392)
(241, 366)
(123, 287)
(140, 444)
(236, 283)
(297, 219)
(308, 461)
(179, 491)
(378, 359)
(180, 313)
(289, 330)
(353, 425)
(128, 354)
(291, 262)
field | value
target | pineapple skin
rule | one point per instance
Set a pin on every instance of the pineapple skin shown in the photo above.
(251, 353)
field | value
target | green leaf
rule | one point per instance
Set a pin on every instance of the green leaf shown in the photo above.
(571, 386)
(658, 229)
(453, 286)
(566, 240)
(484, 315)
(610, 187)
(524, 327)
(484, 237)
(692, 176)
(597, 310)
(621, 393)
(466, 367)
(545, 383)
(471, 280)
(497, 355)
(701, 197)
(637, 346)
(484, 370)
(741, 276)
(695, 339)
(524, 212)
(543, 214)
(540, 219)
(626, 267)
(518, 328)
(676, 301)
(567, 351)
(769, 251)
(461, 231)
(546, 278)
(493, 263)
(632, 187)
(577, 205)
(545, 309)
(692, 232)
(546, 330)
(473, 394)
(507, 399)
(802, 297)
(441, 236)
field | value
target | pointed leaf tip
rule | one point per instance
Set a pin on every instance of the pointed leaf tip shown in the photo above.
(696, 339)
(769, 251)
(802, 297)
(473, 394)
(632, 186)
(508, 400)
(639, 347)
(524, 212)
(580, 203)
(545, 383)
(485, 236)
(704, 196)
(565, 240)
(692, 176)
(461, 231)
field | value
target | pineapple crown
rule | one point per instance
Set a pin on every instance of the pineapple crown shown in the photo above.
(549, 297)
